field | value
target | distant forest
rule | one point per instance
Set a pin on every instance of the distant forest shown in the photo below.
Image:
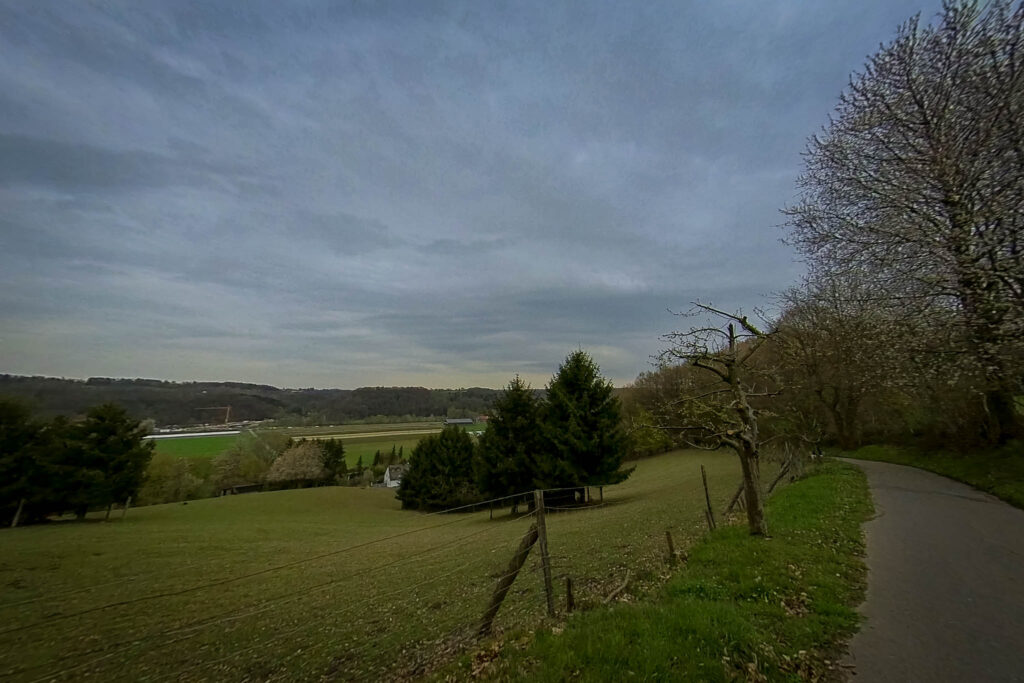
(191, 403)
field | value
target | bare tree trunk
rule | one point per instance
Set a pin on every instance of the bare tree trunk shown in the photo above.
(751, 467)
(1002, 413)
(746, 446)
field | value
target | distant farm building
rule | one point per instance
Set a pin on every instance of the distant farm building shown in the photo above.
(458, 421)
(393, 475)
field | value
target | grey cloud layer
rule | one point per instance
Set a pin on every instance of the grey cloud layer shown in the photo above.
(319, 193)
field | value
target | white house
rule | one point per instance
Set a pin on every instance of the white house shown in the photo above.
(393, 475)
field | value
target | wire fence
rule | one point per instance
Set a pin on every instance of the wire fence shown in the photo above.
(392, 607)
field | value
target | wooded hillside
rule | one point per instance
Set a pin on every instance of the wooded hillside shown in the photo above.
(184, 403)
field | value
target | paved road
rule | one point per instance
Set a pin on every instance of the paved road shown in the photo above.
(945, 599)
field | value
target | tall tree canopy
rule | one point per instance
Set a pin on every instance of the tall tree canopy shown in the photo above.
(22, 472)
(440, 472)
(110, 455)
(62, 466)
(919, 178)
(585, 441)
(511, 446)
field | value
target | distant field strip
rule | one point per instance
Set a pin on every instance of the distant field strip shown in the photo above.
(196, 446)
(373, 435)
(316, 584)
(359, 440)
(362, 428)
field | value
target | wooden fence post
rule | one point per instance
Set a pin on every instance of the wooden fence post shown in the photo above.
(545, 559)
(17, 513)
(707, 499)
(782, 473)
(735, 498)
(570, 603)
(671, 548)
(505, 580)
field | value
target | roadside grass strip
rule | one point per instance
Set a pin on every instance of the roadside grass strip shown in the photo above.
(999, 472)
(741, 608)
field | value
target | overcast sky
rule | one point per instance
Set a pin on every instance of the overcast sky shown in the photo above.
(343, 194)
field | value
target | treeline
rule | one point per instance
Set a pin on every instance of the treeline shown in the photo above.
(53, 467)
(572, 438)
(261, 461)
(910, 324)
(188, 403)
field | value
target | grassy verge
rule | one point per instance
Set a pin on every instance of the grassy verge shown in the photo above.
(999, 472)
(747, 608)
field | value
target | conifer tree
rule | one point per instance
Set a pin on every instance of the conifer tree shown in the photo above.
(440, 472)
(334, 460)
(509, 449)
(581, 423)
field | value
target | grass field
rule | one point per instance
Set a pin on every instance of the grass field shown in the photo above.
(359, 440)
(743, 608)
(366, 447)
(195, 446)
(327, 583)
(341, 430)
(999, 472)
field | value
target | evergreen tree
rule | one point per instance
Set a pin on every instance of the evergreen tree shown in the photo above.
(509, 449)
(581, 419)
(22, 473)
(335, 468)
(108, 450)
(440, 472)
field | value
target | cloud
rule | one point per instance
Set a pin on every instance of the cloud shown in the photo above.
(445, 194)
(84, 168)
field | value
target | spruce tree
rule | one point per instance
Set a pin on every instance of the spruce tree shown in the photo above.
(440, 472)
(22, 471)
(509, 449)
(334, 460)
(106, 457)
(581, 419)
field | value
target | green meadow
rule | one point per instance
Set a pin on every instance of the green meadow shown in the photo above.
(359, 440)
(330, 582)
(195, 446)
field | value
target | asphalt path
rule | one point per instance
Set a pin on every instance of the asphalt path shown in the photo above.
(945, 595)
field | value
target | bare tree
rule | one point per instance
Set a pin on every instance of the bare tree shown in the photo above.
(838, 344)
(714, 407)
(919, 178)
